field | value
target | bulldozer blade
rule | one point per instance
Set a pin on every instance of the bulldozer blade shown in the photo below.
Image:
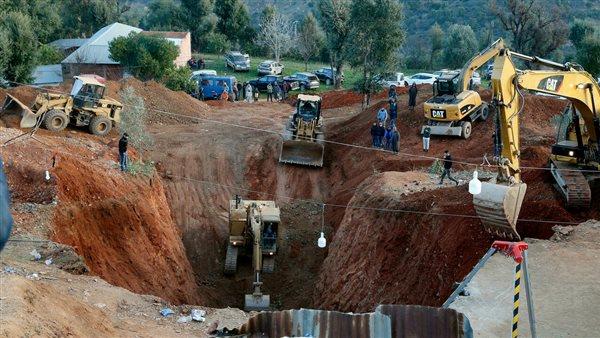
(302, 152)
(257, 302)
(28, 118)
(498, 207)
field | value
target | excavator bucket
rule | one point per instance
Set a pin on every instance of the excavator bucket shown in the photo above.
(257, 302)
(28, 118)
(498, 207)
(302, 152)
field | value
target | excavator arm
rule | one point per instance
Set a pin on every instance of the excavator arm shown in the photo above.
(499, 204)
(477, 61)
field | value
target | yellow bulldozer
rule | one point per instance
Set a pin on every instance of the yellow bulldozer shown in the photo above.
(303, 138)
(455, 106)
(84, 106)
(253, 231)
(575, 157)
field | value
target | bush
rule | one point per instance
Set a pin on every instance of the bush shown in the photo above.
(215, 43)
(180, 79)
(48, 55)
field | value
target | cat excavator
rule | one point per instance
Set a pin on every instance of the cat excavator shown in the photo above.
(253, 229)
(455, 106)
(575, 157)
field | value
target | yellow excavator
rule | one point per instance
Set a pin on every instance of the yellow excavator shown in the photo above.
(253, 230)
(455, 106)
(577, 149)
(303, 135)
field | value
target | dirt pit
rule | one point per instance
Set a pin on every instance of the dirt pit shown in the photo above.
(374, 255)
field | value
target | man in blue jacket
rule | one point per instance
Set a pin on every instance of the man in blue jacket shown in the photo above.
(6, 220)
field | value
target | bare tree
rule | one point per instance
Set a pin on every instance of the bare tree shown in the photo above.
(309, 39)
(535, 27)
(276, 34)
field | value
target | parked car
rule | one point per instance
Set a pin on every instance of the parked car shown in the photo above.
(212, 86)
(270, 67)
(199, 74)
(237, 61)
(325, 74)
(391, 79)
(421, 78)
(262, 82)
(305, 80)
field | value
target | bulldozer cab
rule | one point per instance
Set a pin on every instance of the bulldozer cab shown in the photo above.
(87, 91)
(446, 84)
(270, 228)
(308, 107)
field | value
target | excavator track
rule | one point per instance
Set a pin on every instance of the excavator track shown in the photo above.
(268, 264)
(572, 184)
(231, 259)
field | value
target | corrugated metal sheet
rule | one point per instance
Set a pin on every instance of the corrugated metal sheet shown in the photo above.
(397, 321)
(47, 75)
(95, 49)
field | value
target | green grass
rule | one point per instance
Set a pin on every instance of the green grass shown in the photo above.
(217, 62)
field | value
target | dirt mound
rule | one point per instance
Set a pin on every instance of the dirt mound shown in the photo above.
(158, 99)
(121, 225)
(399, 258)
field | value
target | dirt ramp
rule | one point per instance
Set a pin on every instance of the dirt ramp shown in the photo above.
(399, 258)
(122, 227)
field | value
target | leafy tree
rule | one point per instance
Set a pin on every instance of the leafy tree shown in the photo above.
(164, 15)
(21, 48)
(436, 35)
(536, 27)
(309, 39)
(47, 12)
(580, 30)
(588, 54)
(335, 21)
(376, 43)
(133, 121)
(460, 45)
(145, 56)
(275, 34)
(179, 78)
(85, 17)
(234, 21)
(48, 55)
(200, 20)
(5, 52)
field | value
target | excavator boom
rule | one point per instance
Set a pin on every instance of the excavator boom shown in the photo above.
(499, 203)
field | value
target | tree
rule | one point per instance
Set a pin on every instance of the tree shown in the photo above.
(48, 55)
(580, 30)
(588, 54)
(309, 39)
(164, 15)
(376, 43)
(180, 78)
(234, 21)
(536, 27)
(436, 36)
(21, 47)
(85, 17)
(200, 20)
(145, 56)
(335, 21)
(460, 45)
(275, 34)
(133, 121)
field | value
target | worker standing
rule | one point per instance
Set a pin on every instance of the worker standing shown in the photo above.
(249, 95)
(392, 93)
(382, 115)
(447, 168)
(374, 135)
(6, 220)
(380, 134)
(387, 145)
(236, 93)
(412, 96)
(395, 140)
(123, 151)
(393, 111)
(426, 137)
(270, 92)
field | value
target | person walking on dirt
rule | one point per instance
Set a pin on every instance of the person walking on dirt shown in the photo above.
(123, 151)
(426, 136)
(270, 92)
(278, 93)
(447, 168)
(395, 140)
(286, 90)
(382, 115)
(235, 91)
(249, 93)
(380, 134)
(6, 221)
(387, 138)
(392, 92)
(393, 111)
(374, 135)
(412, 96)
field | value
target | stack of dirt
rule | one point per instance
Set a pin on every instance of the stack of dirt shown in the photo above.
(118, 223)
(400, 257)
